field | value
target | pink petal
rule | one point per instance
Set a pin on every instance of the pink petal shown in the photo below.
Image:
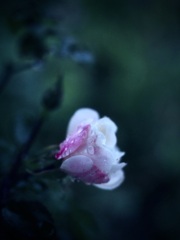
(82, 168)
(77, 165)
(73, 142)
(116, 178)
(94, 176)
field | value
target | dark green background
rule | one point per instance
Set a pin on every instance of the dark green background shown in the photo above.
(134, 80)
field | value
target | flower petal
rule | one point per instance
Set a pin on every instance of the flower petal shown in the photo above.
(116, 178)
(118, 154)
(89, 151)
(77, 165)
(103, 159)
(108, 128)
(83, 115)
(73, 142)
(94, 176)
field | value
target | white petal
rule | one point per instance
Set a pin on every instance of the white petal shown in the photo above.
(118, 154)
(77, 165)
(82, 115)
(108, 128)
(103, 159)
(116, 178)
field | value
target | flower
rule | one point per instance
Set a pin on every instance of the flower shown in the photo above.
(90, 153)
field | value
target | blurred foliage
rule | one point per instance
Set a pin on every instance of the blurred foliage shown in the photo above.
(121, 58)
(27, 220)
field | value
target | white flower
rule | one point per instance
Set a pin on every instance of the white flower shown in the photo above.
(90, 153)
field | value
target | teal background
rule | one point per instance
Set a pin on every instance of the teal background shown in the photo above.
(133, 78)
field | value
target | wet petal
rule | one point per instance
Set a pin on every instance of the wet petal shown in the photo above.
(103, 159)
(90, 153)
(116, 178)
(94, 176)
(73, 142)
(77, 165)
(108, 128)
(83, 115)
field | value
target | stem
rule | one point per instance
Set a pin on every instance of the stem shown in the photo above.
(12, 177)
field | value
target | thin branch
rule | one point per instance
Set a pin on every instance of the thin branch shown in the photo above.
(12, 177)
